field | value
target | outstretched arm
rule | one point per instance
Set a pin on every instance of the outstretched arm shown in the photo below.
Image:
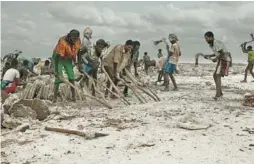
(244, 48)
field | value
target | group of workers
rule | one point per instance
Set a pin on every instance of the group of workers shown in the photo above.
(114, 60)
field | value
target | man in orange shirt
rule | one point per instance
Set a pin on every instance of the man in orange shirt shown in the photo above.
(64, 55)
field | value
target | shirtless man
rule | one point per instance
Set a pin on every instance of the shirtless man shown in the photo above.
(115, 61)
(250, 65)
(171, 61)
(221, 56)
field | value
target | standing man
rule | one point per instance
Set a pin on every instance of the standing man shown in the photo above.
(160, 53)
(171, 61)
(146, 59)
(115, 61)
(221, 56)
(64, 56)
(250, 65)
(135, 55)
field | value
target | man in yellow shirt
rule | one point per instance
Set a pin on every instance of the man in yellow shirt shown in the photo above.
(64, 55)
(250, 65)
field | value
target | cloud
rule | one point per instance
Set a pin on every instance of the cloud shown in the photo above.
(35, 27)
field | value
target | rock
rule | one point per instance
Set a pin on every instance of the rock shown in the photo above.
(208, 83)
(10, 123)
(23, 128)
(20, 110)
(39, 106)
(13, 98)
(4, 96)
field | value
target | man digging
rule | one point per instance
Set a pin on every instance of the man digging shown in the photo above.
(89, 62)
(221, 57)
(64, 55)
(115, 61)
(250, 65)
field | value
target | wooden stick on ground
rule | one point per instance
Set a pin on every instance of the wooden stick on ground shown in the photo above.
(92, 97)
(75, 132)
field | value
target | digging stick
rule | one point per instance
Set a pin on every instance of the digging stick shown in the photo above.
(141, 99)
(156, 98)
(92, 97)
(113, 85)
(75, 132)
(123, 100)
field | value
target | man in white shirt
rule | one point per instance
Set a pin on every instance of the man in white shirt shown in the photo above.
(222, 57)
(11, 78)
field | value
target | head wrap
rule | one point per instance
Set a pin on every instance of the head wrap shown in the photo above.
(74, 33)
(172, 37)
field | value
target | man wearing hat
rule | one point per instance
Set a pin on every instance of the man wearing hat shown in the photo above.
(64, 55)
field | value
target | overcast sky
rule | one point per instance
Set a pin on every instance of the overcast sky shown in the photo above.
(35, 27)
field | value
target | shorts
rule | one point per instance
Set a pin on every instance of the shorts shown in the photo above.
(169, 67)
(9, 87)
(86, 68)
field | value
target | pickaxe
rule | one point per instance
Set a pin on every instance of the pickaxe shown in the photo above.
(252, 37)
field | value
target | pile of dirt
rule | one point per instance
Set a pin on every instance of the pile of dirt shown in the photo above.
(249, 99)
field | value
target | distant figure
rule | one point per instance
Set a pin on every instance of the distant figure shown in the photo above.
(46, 70)
(160, 53)
(250, 65)
(11, 78)
(146, 59)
